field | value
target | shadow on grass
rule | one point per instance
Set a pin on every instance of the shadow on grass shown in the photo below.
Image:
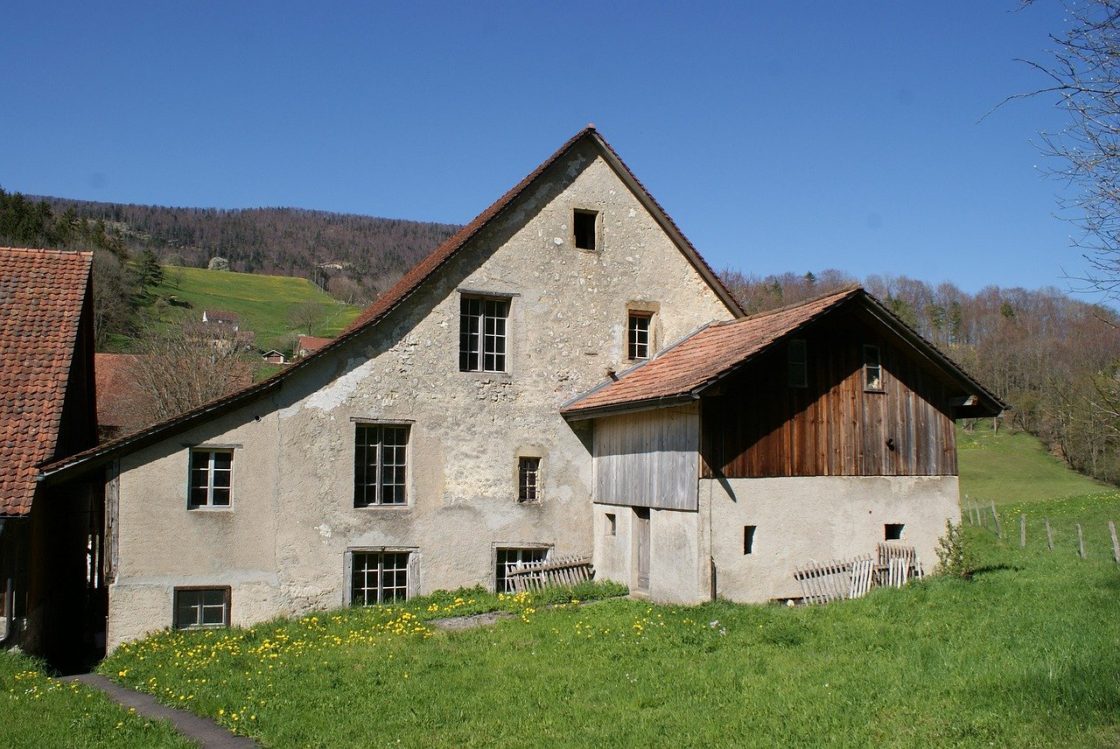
(990, 568)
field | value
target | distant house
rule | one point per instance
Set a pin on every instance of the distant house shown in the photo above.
(51, 595)
(274, 357)
(309, 344)
(565, 375)
(222, 318)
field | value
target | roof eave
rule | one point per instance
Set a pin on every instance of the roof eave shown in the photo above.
(618, 409)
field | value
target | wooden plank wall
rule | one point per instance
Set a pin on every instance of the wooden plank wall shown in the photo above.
(759, 426)
(648, 459)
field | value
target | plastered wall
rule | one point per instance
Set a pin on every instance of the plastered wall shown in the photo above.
(282, 545)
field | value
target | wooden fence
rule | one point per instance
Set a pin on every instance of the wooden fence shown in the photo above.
(853, 578)
(527, 576)
(986, 515)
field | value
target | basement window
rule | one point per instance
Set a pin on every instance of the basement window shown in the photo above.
(528, 479)
(583, 227)
(872, 370)
(201, 608)
(892, 531)
(378, 577)
(748, 539)
(511, 558)
(798, 363)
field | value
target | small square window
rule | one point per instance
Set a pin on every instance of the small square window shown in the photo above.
(378, 577)
(798, 361)
(612, 524)
(748, 539)
(528, 479)
(201, 608)
(211, 481)
(507, 559)
(583, 223)
(637, 335)
(872, 369)
(380, 464)
(482, 334)
(892, 531)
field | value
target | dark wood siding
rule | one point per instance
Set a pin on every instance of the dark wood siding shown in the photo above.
(756, 425)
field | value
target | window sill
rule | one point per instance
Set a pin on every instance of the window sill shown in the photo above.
(496, 376)
(879, 391)
(385, 508)
(207, 510)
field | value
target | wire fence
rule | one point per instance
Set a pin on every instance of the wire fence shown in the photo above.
(1087, 538)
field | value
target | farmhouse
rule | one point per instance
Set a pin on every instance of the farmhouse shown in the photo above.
(49, 539)
(565, 375)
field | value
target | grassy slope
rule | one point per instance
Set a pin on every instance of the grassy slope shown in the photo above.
(1024, 654)
(1005, 468)
(263, 302)
(37, 711)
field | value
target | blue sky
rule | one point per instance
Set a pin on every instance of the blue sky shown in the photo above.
(787, 136)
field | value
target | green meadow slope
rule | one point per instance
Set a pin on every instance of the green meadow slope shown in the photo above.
(264, 303)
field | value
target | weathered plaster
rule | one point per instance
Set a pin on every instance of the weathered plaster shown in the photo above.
(282, 545)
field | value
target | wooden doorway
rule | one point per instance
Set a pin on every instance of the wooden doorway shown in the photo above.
(641, 535)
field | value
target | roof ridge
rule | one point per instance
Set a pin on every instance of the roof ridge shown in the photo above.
(850, 289)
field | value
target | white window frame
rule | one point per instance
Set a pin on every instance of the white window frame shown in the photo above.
(872, 368)
(401, 459)
(381, 555)
(211, 472)
(484, 334)
(201, 606)
(501, 581)
(639, 349)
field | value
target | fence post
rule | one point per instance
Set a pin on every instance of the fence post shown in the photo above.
(1049, 536)
(995, 517)
(1115, 543)
(1080, 542)
(1022, 530)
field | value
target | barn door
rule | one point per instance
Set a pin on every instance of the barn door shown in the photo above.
(641, 521)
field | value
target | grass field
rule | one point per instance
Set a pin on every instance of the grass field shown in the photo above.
(37, 711)
(262, 302)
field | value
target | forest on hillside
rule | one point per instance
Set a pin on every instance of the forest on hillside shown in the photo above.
(353, 258)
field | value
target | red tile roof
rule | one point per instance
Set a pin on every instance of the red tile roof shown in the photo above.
(311, 343)
(41, 298)
(704, 356)
(412, 280)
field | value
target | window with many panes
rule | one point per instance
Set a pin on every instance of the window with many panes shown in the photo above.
(378, 577)
(528, 479)
(798, 363)
(211, 478)
(201, 608)
(482, 334)
(637, 335)
(872, 369)
(380, 454)
(507, 559)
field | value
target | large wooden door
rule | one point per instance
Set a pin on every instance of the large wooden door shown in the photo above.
(641, 532)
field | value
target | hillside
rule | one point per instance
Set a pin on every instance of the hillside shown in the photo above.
(365, 254)
(265, 304)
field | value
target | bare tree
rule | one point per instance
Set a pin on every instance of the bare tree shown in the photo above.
(1085, 74)
(307, 316)
(188, 366)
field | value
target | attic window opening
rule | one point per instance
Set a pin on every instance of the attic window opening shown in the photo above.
(872, 369)
(637, 335)
(583, 226)
(893, 531)
(798, 363)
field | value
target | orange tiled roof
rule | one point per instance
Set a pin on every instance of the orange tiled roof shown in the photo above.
(705, 356)
(311, 343)
(41, 298)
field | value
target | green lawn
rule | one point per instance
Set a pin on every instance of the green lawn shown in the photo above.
(264, 303)
(37, 711)
(1006, 468)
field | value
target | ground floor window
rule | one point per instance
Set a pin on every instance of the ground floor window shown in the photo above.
(508, 558)
(378, 577)
(201, 608)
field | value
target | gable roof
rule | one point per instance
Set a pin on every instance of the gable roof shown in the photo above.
(683, 371)
(311, 343)
(42, 293)
(404, 288)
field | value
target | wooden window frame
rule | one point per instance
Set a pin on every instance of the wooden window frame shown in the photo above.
(501, 582)
(227, 607)
(363, 484)
(580, 233)
(639, 339)
(379, 571)
(869, 368)
(210, 473)
(797, 363)
(529, 479)
(484, 333)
